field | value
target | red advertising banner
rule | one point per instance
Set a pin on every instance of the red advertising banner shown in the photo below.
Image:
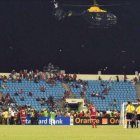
(99, 121)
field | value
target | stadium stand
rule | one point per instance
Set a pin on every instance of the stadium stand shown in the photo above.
(99, 92)
(106, 91)
(38, 93)
(29, 86)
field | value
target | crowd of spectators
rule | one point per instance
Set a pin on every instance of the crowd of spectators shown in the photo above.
(49, 74)
(11, 115)
(49, 77)
(6, 99)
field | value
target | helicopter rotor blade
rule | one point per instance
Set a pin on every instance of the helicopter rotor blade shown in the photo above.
(103, 5)
(114, 5)
(72, 5)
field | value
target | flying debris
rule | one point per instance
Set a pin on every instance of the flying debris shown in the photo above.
(58, 11)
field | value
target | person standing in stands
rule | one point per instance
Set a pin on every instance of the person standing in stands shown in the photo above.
(23, 116)
(114, 104)
(12, 115)
(138, 114)
(32, 117)
(5, 116)
(45, 113)
(52, 117)
(129, 113)
(93, 112)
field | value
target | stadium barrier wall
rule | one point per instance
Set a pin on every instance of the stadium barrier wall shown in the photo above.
(104, 77)
(76, 121)
(95, 76)
(47, 121)
(99, 121)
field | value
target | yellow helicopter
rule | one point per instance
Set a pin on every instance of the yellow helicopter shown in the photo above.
(94, 15)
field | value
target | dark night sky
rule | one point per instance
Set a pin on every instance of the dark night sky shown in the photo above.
(30, 37)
